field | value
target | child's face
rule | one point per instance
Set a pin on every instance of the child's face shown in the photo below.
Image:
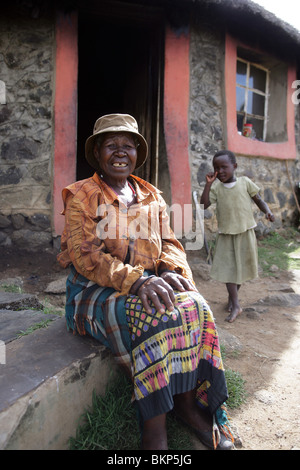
(224, 168)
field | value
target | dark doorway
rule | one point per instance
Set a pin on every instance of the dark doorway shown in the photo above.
(120, 63)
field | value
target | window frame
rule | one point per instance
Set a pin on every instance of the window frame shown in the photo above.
(248, 89)
(285, 150)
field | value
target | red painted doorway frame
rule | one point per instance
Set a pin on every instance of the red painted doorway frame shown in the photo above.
(176, 106)
(65, 112)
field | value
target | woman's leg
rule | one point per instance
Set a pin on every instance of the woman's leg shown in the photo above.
(187, 409)
(200, 421)
(233, 302)
(155, 433)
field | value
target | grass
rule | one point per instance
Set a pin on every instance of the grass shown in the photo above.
(47, 309)
(280, 249)
(11, 288)
(36, 326)
(112, 421)
(236, 389)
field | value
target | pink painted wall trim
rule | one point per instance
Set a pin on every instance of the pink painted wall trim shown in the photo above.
(65, 112)
(176, 107)
(243, 145)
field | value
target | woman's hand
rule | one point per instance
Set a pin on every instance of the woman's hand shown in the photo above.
(158, 291)
(177, 281)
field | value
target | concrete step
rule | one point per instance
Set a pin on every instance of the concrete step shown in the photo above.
(47, 379)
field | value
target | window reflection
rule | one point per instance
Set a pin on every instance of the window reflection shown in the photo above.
(241, 73)
(255, 104)
(240, 99)
(257, 78)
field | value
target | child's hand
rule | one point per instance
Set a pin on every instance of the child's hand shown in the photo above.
(210, 177)
(270, 216)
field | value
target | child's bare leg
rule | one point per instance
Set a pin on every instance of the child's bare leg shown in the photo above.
(233, 301)
(230, 301)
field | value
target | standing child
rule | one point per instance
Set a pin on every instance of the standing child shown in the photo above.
(235, 258)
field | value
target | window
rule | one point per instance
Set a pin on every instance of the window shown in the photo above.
(252, 83)
(258, 90)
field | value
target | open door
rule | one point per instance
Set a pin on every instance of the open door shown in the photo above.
(120, 63)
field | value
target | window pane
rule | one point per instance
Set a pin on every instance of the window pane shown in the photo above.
(258, 127)
(239, 122)
(257, 78)
(256, 104)
(240, 98)
(241, 73)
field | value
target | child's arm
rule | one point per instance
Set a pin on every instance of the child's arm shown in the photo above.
(210, 178)
(263, 206)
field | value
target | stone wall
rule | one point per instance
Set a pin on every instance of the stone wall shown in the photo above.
(26, 128)
(27, 48)
(207, 135)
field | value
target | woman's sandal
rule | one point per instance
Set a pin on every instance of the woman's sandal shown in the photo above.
(207, 437)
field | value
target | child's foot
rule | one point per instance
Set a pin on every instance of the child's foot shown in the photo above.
(235, 312)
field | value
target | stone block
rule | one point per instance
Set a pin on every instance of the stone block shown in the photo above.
(47, 383)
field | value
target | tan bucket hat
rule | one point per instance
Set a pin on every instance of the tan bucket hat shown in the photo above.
(115, 123)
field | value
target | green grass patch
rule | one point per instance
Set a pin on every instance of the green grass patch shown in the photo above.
(112, 421)
(236, 389)
(11, 288)
(36, 326)
(280, 249)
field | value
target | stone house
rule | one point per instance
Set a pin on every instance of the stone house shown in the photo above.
(192, 72)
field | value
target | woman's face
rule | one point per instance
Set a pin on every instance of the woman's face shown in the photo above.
(116, 155)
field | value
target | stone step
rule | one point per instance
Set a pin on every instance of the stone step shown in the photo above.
(46, 381)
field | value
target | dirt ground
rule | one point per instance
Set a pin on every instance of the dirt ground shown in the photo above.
(265, 345)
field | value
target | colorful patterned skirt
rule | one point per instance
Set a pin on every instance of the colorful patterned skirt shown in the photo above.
(166, 354)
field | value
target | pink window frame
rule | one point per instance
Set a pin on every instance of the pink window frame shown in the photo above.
(243, 145)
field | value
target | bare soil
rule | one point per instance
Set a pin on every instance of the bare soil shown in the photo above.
(267, 356)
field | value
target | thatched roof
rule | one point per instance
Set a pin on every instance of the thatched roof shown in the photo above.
(243, 18)
(246, 9)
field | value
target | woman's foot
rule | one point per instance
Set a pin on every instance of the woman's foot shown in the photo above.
(186, 409)
(193, 416)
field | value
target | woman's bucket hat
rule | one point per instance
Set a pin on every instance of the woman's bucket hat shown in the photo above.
(116, 123)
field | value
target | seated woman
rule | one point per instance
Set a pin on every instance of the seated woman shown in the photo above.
(130, 287)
